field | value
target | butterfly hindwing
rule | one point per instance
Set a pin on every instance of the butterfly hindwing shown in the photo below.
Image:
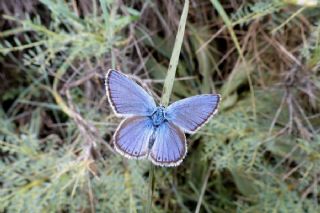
(127, 97)
(132, 137)
(169, 147)
(192, 113)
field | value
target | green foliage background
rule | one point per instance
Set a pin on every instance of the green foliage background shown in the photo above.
(259, 154)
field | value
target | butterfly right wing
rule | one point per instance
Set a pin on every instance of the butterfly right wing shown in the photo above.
(132, 137)
(127, 97)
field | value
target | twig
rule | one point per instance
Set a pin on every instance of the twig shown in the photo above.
(203, 189)
(151, 187)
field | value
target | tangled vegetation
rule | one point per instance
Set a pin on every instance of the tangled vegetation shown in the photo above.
(259, 154)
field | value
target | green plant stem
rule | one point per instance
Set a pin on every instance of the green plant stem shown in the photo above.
(204, 186)
(167, 87)
(151, 187)
(169, 80)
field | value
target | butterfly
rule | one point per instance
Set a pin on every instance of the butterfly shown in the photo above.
(154, 132)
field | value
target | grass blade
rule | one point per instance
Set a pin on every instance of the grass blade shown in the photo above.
(169, 80)
(167, 87)
(228, 23)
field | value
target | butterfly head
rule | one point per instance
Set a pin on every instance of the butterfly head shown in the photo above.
(158, 116)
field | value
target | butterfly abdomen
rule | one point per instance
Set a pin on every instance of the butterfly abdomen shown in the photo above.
(152, 138)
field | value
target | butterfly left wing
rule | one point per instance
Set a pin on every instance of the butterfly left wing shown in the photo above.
(132, 137)
(169, 147)
(127, 97)
(192, 113)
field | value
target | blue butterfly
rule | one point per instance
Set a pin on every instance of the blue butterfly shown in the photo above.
(151, 131)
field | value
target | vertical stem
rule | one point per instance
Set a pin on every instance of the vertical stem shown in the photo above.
(204, 187)
(167, 87)
(169, 80)
(151, 187)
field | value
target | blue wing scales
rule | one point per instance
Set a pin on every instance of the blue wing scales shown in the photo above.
(132, 137)
(169, 147)
(192, 113)
(127, 97)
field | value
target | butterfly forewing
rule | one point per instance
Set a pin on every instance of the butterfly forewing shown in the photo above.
(132, 137)
(192, 113)
(169, 147)
(126, 97)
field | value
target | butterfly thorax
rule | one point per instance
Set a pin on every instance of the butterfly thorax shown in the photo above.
(158, 116)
